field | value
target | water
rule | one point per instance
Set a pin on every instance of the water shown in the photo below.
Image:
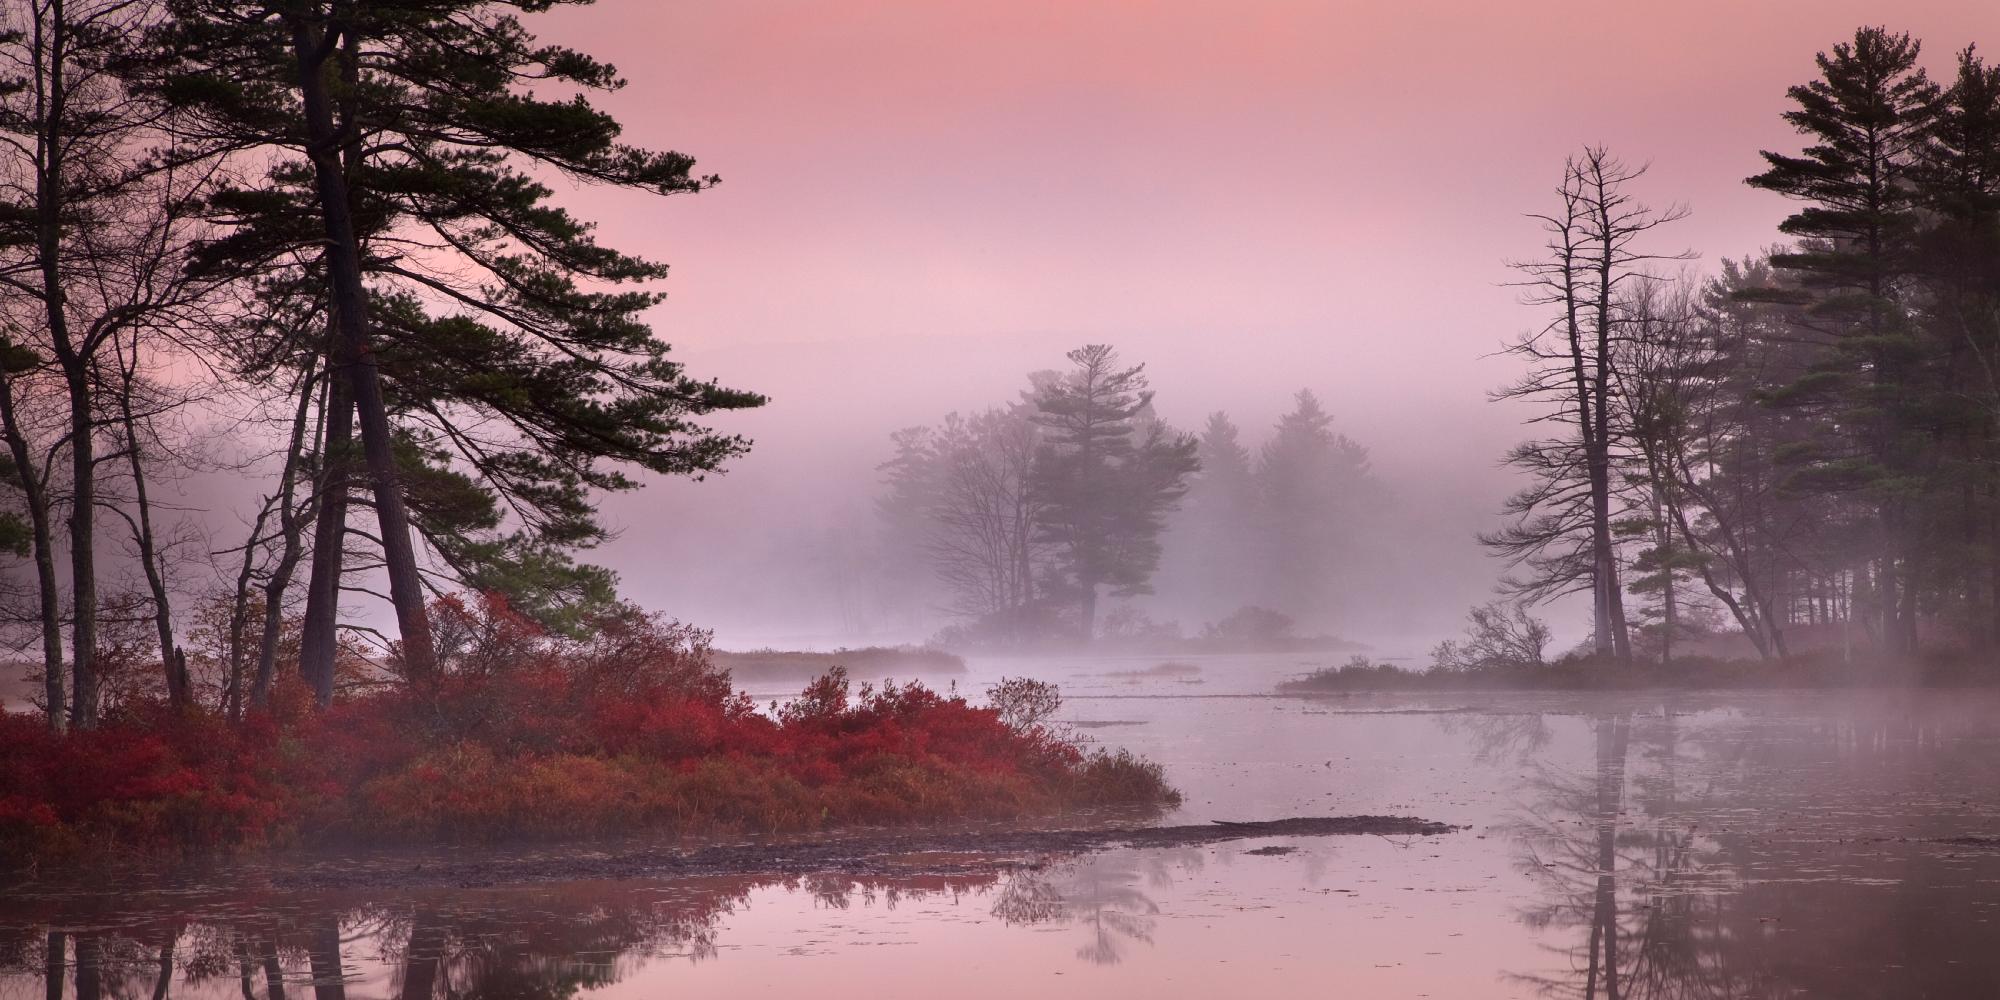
(1665, 845)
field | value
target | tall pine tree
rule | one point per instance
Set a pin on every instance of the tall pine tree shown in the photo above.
(475, 329)
(1865, 119)
(1105, 478)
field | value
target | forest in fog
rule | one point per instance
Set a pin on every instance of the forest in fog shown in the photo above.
(1032, 512)
(1795, 448)
(1515, 493)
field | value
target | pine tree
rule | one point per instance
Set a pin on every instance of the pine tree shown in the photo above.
(471, 322)
(1214, 556)
(1313, 483)
(1866, 119)
(1958, 255)
(1106, 478)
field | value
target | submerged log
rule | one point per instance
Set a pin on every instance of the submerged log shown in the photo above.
(931, 852)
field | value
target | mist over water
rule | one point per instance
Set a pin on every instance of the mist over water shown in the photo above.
(788, 540)
(1759, 846)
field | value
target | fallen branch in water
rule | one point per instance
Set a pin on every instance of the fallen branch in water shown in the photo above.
(865, 855)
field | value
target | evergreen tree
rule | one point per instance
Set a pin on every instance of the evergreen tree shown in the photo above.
(1958, 257)
(476, 329)
(1313, 484)
(1866, 119)
(1105, 478)
(1214, 556)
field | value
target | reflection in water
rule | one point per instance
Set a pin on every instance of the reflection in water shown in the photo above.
(1102, 892)
(1723, 867)
(1636, 892)
(541, 942)
(518, 943)
(1626, 847)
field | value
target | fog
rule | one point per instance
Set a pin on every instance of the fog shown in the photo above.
(776, 551)
(920, 205)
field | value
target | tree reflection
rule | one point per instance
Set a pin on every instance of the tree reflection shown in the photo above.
(528, 942)
(1104, 893)
(1637, 892)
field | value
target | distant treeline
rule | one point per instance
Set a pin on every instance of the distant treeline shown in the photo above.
(1807, 438)
(1029, 513)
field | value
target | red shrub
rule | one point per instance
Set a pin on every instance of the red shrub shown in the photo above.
(523, 733)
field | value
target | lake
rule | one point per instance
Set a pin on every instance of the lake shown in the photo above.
(1741, 844)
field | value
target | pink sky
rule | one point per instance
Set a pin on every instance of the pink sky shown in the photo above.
(944, 169)
(1251, 197)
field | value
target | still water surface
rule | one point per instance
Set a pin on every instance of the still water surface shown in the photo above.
(1657, 845)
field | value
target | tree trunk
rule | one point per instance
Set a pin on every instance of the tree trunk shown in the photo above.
(239, 622)
(420, 957)
(1668, 619)
(174, 665)
(82, 558)
(280, 578)
(163, 983)
(319, 634)
(1600, 471)
(245, 983)
(52, 43)
(1908, 610)
(55, 964)
(1613, 736)
(329, 977)
(274, 973)
(89, 966)
(48, 593)
(1993, 567)
(355, 358)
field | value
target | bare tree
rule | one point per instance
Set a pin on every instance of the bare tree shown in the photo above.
(963, 490)
(1563, 523)
(1680, 387)
(95, 239)
(982, 539)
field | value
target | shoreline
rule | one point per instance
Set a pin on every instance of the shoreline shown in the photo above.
(859, 854)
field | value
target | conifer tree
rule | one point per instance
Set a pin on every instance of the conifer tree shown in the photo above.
(1865, 118)
(1313, 483)
(475, 328)
(1215, 553)
(1958, 257)
(1106, 477)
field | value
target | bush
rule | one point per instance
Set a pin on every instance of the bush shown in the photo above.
(1024, 702)
(525, 734)
(1498, 636)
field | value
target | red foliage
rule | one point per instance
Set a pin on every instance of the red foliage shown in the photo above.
(525, 733)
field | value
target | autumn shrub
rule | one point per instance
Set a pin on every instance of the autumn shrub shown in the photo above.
(148, 779)
(1024, 701)
(1116, 777)
(520, 733)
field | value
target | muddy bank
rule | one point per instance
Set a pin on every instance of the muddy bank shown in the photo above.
(955, 853)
